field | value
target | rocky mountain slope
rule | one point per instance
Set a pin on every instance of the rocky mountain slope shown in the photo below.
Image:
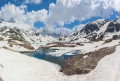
(13, 37)
(97, 30)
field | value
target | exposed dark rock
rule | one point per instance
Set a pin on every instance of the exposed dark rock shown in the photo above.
(115, 37)
(117, 27)
(62, 44)
(91, 36)
(108, 41)
(37, 34)
(85, 63)
(113, 26)
(1, 38)
(90, 28)
(3, 28)
(28, 46)
(25, 44)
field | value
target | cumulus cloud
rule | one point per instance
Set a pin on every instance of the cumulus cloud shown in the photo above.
(20, 14)
(11, 11)
(33, 16)
(78, 27)
(33, 1)
(65, 11)
(63, 30)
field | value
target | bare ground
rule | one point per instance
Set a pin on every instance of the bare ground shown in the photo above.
(1, 79)
(85, 63)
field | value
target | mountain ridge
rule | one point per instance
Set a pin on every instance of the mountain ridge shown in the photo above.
(97, 30)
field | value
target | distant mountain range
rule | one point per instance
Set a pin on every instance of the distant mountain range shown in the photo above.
(101, 29)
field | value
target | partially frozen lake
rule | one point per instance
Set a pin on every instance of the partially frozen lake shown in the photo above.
(43, 54)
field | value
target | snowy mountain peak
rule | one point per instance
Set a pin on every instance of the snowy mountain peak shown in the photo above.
(97, 30)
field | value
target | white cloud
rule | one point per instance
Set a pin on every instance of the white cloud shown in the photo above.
(33, 1)
(78, 27)
(11, 11)
(63, 30)
(20, 15)
(65, 11)
(33, 16)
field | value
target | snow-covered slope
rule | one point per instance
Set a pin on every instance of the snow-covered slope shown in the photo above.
(97, 30)
(17, 67)
(20, 38)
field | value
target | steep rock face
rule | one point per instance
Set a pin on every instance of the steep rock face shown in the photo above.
(96, 30)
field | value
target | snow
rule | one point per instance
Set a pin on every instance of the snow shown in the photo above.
(14, 47)
(63, 51)
(87, 47)
(17, 67)
(18, 42)
(85, 56)
(118, 21)
(102, 29)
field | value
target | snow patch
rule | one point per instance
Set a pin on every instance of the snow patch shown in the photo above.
(85, 56)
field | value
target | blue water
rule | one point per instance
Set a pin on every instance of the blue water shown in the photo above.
(42, 54)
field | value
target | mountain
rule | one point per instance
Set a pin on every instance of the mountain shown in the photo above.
(101, 29)
(1, 20)
(20, 39)
(47, 32)
(18, 36)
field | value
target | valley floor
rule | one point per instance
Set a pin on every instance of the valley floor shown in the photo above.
(17, 67)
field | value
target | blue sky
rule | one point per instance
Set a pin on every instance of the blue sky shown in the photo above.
(43, 5)
(58, 14)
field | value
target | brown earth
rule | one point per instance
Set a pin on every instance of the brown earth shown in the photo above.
(61, 44)
(80, 65)
(25, 44)
(1, 79)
